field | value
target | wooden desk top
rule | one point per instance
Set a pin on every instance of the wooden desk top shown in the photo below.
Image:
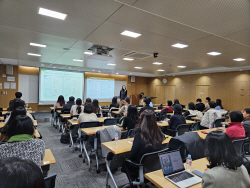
(157, 110)
(105, 109)
(59, 111)
(197, 118)
(35, 122)
(116, 112)
(165, 123)
(124, 145)
(101, 120)
(4, 109)
(36, 134)
(2, 123)
(93, 130)
(158, 179)
(64, 115)
(52, 108)
(203, 136)
(48, 158)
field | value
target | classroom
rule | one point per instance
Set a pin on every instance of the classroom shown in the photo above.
(124, 93)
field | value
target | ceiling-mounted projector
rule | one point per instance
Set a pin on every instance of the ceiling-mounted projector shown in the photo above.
(100, 53)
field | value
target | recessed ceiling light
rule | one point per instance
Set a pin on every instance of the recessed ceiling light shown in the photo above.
(138, 67)
(42, 65)
(34, 54)
(214, 53)
(239, 59)
(112, 64)
(38, 45)
(128, 59)
(179, 45)
(130, 73)
(157, 63)
(160, 70)
(54, 67)
(80, 60)
(117, 73)
(88, 53)
(240, 69)
(181, 66)
(93, 69)
(130, 34)
(51, 13)
(173, 75)
(70, 67)
(99, 71)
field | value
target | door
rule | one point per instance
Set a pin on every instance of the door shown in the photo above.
(202, 92)
(160, 94)
(169, 93)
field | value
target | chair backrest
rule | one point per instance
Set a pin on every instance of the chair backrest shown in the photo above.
(98, 115)
(164, 117)
(217, 122)
(189, 117)
(183, 128)
(130, 133)
(1, 109)
(139, 106)
(195, 126)
(239, 146)
(160, 107)
(77, 116)
(151, 161)
(66, 112)
(112, 121)
(1, 114)
(183, 152)
(89, 124)
(114, 109)
(50, 181)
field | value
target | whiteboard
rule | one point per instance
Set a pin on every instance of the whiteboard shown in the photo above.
(28, 85)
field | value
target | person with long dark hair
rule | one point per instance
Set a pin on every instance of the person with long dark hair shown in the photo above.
(225, 167)
(114, 103)
(88, 101)
(77, 108)
(60, 102)
(176, 101)
(96, 107)
(192, 111)
(131, 118)
(123, 93)
(218, 104)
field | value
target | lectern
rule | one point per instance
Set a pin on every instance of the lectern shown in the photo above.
(134, 99)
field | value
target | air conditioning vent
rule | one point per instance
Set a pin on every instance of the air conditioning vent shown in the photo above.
(136, 55)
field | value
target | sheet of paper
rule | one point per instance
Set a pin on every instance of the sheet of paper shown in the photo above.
(6, 85)
(13, 85)
(10, 79)
(1, 86)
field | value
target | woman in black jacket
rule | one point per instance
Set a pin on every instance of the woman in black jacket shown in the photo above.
(123, 93)
(131, 118)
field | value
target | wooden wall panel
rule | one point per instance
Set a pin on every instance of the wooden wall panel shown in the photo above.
(202, 92)
(140, 85)
(28, 70)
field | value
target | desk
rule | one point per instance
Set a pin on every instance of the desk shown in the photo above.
(36, 134)
(35, 122)
(165, 123)
(101, 120)
(64, 115)
(4, 109)
(59, 111)
(160, 181)
(105, 109)
(116, 112)
(203, 136)
(1, 124)
(2, 118)
(52, 108)
(196, 118)
(157, 111)
(93, 130)
(48, 158)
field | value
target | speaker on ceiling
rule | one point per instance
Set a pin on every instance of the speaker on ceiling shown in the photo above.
(9, 69)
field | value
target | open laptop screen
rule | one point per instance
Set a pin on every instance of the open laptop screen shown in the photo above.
(171, 162)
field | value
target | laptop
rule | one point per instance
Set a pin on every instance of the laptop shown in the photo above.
(174, 171)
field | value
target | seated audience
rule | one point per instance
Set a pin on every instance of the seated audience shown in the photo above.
(151, 104)
(70, 103)
(176, 101)
(210, 116)
(18, 96)
(123, 108)
(20, 173)
(77, 108)
(169, 108)
(131, 119)
(114, 103)
(225, 167)
(88, 114)
(207, 103)
(88, 101)
(199, 105)
(218, 105)
(21, 141)
(192, 111)
(96, 108)
(146, 102)
(60, 102)
(127, 99)
(246, 122)
(235, 129)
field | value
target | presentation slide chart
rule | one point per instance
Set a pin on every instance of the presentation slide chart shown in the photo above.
(100, 88)
(54, 83)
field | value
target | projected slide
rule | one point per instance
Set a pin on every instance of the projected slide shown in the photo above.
(98, 88)
(54, 83)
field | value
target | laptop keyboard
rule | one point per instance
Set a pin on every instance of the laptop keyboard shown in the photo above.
(180, 177)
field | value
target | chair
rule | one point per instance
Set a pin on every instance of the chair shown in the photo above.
(239, 146)
(217, 122)
(183, 152)
(181, 129)
(195, 126)
(63, 120)
(165, 116)
(1, 109)
(112, 110)
(56, 117)
(138, 106)
(77, 116)
(98, 115)
(149, 162)
(130, 133)
(189, 117)
(112, 121)
(50, 181)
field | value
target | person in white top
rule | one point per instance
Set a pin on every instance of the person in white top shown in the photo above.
(77, 108)
(210, 116)
(191, 111)
(87, 114)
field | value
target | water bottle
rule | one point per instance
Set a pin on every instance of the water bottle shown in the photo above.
(156, 107)
(189, 163)
(101, 115)
(223, 126)
(116, 138)
(210, 127)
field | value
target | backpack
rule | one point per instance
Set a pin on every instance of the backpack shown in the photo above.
(65, 138)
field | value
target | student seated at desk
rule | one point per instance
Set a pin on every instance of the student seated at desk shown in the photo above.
(20, 173)
(176, 101)
(246, 121)
(18, 96)
(235, 129)
(60, 102)
(21, 141)
(210, 116)
(218, 104)
(77, 108)
(96, 107)
(151, 104)
(88, 101)
(146, 102)
(225, 167)
(199, 105)
(123, 108)
(127, 99)
(148, 138)
(70, 103)
(114, 103)
(192, 111)
(87, 114)
(208, 99)
(168, 108)
(131, 119)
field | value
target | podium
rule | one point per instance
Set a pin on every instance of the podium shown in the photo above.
(134, 99)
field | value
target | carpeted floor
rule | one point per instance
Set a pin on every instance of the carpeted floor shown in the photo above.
(71, 171)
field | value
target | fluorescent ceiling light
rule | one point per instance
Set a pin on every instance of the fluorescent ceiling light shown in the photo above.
(160, 70)
(111, 64)
(138, 67)
(34, 54)
(239, 59)
(80, 60)
(88, 53)
(130, 34)
(99, 71)
(128, 59)
(38, 45)
(42, 64)
(181, 66)
(157, 63)
(214, 53)
(179, 45)
(54, 67)
(117, 73)
(130, 73)
(51, 13)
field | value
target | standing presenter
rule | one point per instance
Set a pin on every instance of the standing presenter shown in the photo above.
(123, 93)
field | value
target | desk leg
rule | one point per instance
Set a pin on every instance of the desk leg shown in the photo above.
(109, 173)
(71, 139)
(86, 153)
